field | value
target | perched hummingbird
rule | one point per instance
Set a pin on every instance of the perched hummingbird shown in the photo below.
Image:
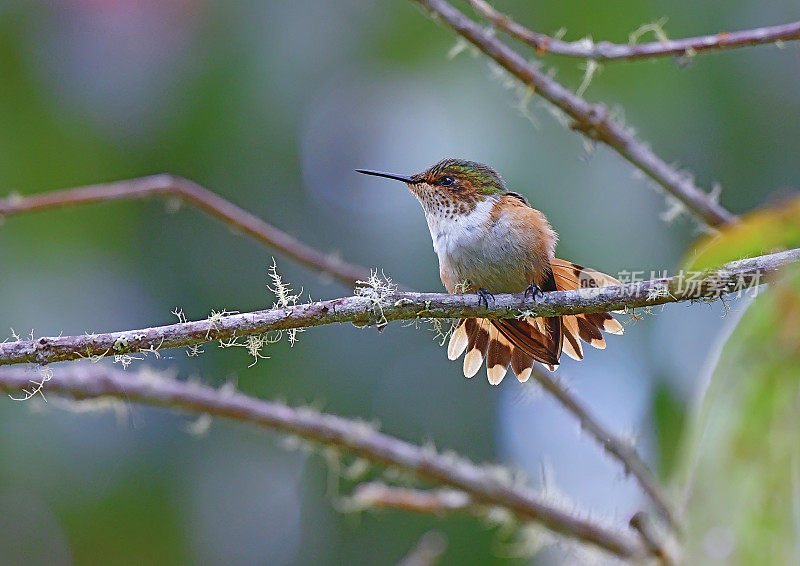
(490, 240)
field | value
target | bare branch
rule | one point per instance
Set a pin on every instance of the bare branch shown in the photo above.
(592, 120)
(371, 310)
(612, 444)
(484, 486)
(605, 51)
(204, 199)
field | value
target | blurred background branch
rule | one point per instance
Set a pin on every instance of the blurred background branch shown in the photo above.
(660, 545)
(606, 51)
(592, 120)
(483, 485)
(209, 202)
(379, 304)
(615, 446)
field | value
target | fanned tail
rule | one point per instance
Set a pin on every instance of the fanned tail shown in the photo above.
(508, 342)
(519, 343)
(583, 327)
(504, 343)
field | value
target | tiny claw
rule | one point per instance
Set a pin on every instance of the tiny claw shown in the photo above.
(534, 292)
(483, 296)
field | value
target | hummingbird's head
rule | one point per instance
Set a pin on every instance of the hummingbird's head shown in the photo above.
(452, 186)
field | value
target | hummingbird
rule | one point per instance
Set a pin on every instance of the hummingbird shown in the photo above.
(491, 240)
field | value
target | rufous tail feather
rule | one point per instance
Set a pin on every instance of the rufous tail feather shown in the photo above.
(521, 342)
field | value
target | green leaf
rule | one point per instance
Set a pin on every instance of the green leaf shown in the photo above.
(762, 231)
(742, 458)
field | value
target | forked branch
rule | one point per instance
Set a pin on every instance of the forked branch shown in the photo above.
(606, 51)
(592, 120)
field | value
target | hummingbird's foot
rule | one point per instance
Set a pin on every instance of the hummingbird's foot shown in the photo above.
(484, 295)
(534, 291)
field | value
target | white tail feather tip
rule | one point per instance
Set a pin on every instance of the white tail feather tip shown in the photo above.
(523, 376)
(496, 374)
(458, 343)
(472, 362)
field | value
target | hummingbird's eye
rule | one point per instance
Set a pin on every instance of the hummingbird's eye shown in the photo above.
(446, 181)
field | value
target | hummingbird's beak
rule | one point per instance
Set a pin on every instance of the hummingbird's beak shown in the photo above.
(408, 180)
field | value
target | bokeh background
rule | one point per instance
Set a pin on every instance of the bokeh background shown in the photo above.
(272, 105)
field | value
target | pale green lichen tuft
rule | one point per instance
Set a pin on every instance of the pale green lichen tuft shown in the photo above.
(37, 385)
(377, 288)
(656, 28)
(590, 69)
(286, 299)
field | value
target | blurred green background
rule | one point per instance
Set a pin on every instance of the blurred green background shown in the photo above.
(272, 105)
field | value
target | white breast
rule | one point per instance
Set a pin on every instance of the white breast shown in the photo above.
(454, 236)
(476, 249)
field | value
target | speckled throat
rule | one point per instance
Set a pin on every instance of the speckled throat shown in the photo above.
(442, 204)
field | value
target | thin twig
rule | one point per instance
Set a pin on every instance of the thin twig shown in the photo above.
(429, 549)
(362, 310)
(606, 51)
(209, 202)
(484, 486)
(659, 545)
(612, 444)
(438, 501)
(592, 120)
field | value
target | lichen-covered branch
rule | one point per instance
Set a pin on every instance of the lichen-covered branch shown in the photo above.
(610, 442)
(605, 51)
(209, 202)
(482, 485)
(592, 120)
(375, 306)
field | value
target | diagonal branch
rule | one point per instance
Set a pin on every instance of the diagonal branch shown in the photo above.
(374, 307)
(592, 120)
(482, 485)
(606, 51)
(612, 444)
(204, 199)
(442, 501)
